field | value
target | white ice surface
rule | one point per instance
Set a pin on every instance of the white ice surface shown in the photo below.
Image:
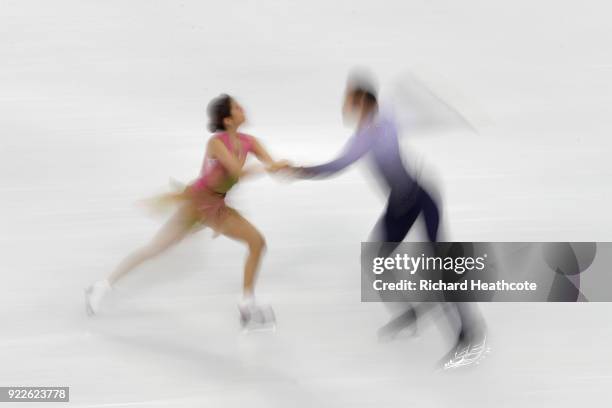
(102, 102)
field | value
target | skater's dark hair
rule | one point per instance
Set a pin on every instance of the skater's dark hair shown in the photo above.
(362, 85)
(218, 109)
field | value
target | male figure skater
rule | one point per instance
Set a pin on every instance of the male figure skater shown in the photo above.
(376, 135)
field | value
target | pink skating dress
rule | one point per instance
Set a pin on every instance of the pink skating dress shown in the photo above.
(207, 193)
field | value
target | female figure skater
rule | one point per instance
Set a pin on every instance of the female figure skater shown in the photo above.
(202, 204)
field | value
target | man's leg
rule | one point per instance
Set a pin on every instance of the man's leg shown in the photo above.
(396, 222)
(399, 217)
(431, 213)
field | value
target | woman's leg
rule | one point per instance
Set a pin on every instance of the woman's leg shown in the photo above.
(237, 227)
(172, 232)
(175, 229)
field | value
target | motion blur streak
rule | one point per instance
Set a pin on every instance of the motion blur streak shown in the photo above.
(103, 102)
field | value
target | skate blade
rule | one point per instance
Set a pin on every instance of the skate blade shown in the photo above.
(88, 309)
(387, 336)
(259, 328)
(471, 358)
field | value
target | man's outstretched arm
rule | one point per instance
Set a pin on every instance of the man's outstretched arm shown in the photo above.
(357, 146)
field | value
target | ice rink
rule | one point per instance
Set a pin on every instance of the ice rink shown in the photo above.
(102, 103)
